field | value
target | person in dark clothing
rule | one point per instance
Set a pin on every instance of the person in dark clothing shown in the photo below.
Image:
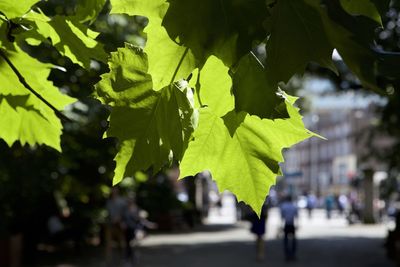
(289, 214)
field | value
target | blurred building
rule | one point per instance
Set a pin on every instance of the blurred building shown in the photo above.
(349, 122)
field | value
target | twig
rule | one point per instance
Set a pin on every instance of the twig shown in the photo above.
(197, 87)
(179, 64)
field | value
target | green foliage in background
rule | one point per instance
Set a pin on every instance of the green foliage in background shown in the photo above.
(194, 92)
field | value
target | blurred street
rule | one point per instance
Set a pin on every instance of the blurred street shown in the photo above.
(321, 242)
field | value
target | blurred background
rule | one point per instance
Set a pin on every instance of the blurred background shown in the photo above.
(59, 209)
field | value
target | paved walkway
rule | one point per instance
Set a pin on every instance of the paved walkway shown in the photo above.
(322, 243)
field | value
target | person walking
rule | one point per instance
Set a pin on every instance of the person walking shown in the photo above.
(311, 204)
(329, 203)
(289, 214)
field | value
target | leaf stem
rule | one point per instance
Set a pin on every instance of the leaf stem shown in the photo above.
(27, 86)
(198, 90)
(179, 64)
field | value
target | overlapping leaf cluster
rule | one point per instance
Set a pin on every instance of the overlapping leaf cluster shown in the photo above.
(239, 123)
(244, 120)
(195, 93)
(23, 116)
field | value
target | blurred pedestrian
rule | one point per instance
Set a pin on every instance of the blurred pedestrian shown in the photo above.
(329, 203)
(114, 232)
(131, 224)
(258, 229)
(342, 203)
(311, 204)
(135, 224)
(289, 214)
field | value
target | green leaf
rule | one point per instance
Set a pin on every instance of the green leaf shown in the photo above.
(149, 124)
(168, 61)
(254, 92)
(127, 80)
(354, 39)
(362, 7)
(154, 10)
(149, 134)
(88, 10)
(215, 86)
(16, 9)
(76, 41)
(226, 29)
(28, 124)
(29, 119)
(35, 74)
(382, 6)
(71, 38)
(297, 37)
(242, 151)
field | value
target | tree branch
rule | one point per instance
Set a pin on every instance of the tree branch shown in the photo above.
(27, 86)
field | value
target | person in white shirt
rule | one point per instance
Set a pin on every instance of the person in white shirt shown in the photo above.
(289, 214)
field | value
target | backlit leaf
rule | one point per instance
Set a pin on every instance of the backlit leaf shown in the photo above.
(14, 9)
(24, 117)
(215, 86)
(88, 10)
(149, 124)
(242, 152)
(71, 38)
(168, 61)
